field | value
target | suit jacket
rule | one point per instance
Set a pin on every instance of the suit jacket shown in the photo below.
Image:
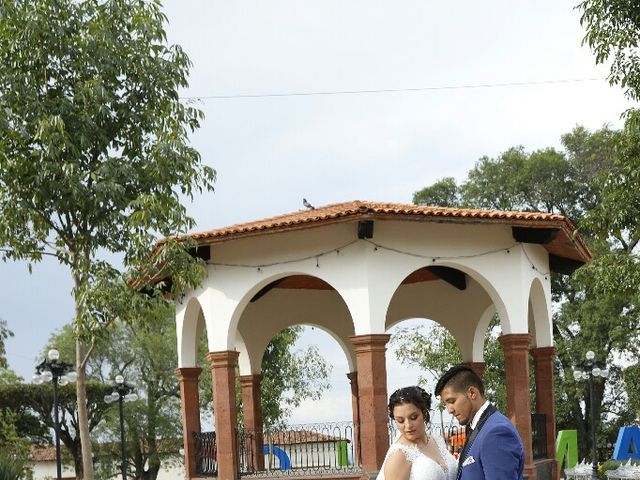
(494, 450)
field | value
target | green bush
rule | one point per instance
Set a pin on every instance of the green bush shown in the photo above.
(11, 468)
(611, 465)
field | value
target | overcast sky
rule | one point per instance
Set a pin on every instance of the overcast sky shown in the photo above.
(271, 149)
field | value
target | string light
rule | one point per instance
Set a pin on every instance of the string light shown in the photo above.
(377, 247)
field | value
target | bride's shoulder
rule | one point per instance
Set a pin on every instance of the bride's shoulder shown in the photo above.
(399, 450)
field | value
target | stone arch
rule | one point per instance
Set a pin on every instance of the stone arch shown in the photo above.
(424, 294)
(190, 325)
(348, 352)
(267, 284)
(539, 318)
(278, 306)
(480, 333)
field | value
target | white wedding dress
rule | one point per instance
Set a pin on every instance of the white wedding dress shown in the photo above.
(423, 467)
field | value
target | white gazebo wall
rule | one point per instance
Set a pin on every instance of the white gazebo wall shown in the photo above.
(366, 275)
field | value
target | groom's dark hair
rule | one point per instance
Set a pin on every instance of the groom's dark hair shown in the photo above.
(460, 378)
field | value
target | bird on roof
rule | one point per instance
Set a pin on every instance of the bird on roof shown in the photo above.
(307, 204)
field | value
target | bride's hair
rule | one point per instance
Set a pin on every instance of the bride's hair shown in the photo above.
(414, 395)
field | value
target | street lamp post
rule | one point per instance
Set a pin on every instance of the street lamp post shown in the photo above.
(122, 392)
(591, 369)
(58, 373)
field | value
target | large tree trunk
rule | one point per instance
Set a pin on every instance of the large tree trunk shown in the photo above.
(83, 418)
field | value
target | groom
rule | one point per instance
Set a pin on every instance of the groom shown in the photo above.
(493, 450)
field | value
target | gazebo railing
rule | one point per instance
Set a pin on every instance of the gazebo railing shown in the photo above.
(206, 453)
(453, 435)
(311, 449)
(539, 435)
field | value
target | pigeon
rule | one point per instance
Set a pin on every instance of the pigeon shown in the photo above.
(307, 204)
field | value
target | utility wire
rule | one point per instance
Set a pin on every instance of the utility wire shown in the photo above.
(393, 90)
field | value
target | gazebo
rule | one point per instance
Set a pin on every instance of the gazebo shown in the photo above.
(354, 270)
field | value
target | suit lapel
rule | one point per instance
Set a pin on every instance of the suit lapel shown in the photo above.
(469, 441)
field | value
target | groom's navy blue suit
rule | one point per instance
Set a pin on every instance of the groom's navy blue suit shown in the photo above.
(493, 451)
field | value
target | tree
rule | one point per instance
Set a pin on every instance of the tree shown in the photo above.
(144, 351)
(613, 33)
(443, 193)
(593, 300)
(435, 351)
(289, 377)
(27, 408)
(94, 153)
(4, 334)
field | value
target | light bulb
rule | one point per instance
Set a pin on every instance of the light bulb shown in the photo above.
(108, 398)
(46, 376)
(596, 372)
(72, 376)
(604, 373)
(131, 397)
(37, 379)
(577, 375)
(54, 355)
(590, 355)
(62, 381)
(119, 379)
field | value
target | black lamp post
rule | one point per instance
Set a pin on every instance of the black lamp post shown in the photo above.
(122, 392)
(591, 369)
(58, 373)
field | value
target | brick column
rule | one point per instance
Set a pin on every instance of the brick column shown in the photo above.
(252, 410)
(516, 363)
(223, 372)
(372, 399)
(545, 396)
(355, 410)
(477, 367)
(190, 407)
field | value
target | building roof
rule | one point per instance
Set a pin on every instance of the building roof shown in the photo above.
(294, 437)
(565, 244)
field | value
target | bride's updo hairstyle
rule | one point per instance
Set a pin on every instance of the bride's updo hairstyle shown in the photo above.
(414, 395)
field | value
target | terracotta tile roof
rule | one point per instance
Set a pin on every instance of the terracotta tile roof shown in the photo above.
(47, 453)
(294, 437)
(568, 244)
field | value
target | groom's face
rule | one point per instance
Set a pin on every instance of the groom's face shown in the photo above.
(458, 404)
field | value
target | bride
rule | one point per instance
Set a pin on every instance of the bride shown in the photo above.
(415, 454)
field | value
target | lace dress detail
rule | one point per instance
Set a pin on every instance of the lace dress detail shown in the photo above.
(423, 467)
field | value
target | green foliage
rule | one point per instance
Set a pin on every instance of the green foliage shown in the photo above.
(94, 155)
(594, 181)
(11, 468)
(13, 442)
(434, 350)
(631, 378)
(613, 34)
(144, 351)
(443, 193)
(289, 377)
(4, 334)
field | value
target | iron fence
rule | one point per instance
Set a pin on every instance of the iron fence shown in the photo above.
(206, 453)
(539, 435)
(321, 448)
(311, 449)
(453, 435)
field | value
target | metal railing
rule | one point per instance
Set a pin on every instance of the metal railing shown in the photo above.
(539, 435)
(206, 453)
(453, 435)
(311, 449)
(321, 448)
